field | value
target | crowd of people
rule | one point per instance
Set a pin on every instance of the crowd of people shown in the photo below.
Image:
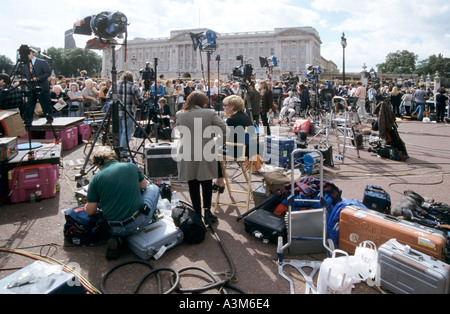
(73, 97)
(406, 101)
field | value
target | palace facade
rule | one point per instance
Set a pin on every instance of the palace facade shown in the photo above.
(294, 48)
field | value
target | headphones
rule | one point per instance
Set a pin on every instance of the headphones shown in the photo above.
(99, 161)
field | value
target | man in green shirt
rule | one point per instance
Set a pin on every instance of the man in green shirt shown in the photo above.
(127, 202)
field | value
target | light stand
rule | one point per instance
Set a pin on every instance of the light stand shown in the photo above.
(207, 43)
(344, 45)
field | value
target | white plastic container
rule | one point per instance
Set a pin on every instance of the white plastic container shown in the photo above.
(335, 275)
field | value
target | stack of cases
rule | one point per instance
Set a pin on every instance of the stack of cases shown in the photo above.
(68, 138)
(278, 150)
(84, 131)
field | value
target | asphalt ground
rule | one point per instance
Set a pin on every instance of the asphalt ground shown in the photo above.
(36, 229)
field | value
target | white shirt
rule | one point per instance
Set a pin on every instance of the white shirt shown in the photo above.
(290, 102)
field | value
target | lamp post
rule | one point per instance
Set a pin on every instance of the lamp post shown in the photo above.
(344, 45)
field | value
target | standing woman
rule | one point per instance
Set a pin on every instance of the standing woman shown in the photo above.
(396, 99)
(197, 159)
(266, 105)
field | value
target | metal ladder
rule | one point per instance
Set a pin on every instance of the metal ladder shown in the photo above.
(346, 134)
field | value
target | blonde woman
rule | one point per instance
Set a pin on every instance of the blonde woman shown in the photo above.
(396, 99)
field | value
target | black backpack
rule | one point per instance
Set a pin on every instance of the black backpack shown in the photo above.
(190, 223)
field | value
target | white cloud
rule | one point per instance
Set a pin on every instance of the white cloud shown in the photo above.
(373, 28)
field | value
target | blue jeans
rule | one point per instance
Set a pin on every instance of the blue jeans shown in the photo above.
(421, 108)
(126, 128)
(150, 198)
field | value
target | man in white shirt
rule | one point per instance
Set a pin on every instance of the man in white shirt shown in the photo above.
(361, 103)
(289, 106)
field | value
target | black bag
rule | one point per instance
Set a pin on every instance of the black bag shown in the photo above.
(190, 223)
(139, 132)
(81, 229)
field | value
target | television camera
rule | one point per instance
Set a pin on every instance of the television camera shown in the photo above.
(243, 73)
(290, 80)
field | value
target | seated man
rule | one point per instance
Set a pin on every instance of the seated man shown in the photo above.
(162, 113)
(289, 106)
(127, 204)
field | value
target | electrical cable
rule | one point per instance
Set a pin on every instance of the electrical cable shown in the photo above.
(216, 283)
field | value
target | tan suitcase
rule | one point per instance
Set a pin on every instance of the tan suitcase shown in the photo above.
(359, 224)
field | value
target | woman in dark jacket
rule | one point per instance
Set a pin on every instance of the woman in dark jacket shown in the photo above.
(266, 104)
(197, 164)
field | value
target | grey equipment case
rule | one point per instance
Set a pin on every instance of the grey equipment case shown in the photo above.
(407, 271)
(155, 239)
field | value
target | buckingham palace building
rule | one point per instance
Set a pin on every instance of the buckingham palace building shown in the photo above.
(294, 49)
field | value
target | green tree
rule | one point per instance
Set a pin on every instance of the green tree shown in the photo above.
(399, 62)
(434, 64)
(6, 64)
(70, 62)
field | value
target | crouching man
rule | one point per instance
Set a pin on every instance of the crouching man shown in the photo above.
(127, 201)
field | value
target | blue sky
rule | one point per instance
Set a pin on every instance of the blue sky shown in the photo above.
(373, 28)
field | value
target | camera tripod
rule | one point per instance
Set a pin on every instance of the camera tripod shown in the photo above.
(112, 113)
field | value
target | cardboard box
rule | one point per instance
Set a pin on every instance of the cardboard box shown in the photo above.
(12, 123)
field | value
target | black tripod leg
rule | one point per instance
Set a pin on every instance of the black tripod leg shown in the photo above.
(30, 153)
(95, 140)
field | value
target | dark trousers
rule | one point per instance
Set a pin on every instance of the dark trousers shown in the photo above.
(44, 100)
(265, 123)
(194, 193)
(440, 111)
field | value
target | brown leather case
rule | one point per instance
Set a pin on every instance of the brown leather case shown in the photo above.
(358, 224)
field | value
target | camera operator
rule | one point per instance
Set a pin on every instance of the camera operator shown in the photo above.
(127, 204)
(37, 71)
(10, 96)
(305, 97)
(130, 94)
